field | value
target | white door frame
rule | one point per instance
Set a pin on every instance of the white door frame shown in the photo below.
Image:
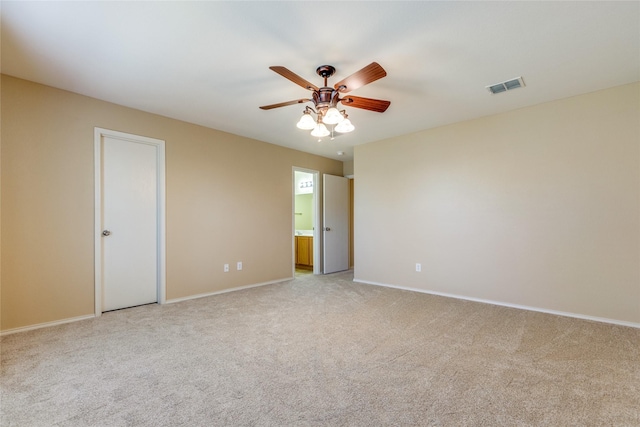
(317, 224)
(99, 133)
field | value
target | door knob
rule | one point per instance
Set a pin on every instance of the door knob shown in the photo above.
(106, 233)
(327, 229)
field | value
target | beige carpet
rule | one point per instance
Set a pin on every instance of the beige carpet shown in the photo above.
(322, 351)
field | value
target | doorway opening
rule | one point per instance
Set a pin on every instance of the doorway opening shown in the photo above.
(307, 249)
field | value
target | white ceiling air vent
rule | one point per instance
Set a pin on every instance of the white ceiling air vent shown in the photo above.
(505, 86)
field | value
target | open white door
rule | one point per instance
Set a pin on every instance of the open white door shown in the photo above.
(336, 223)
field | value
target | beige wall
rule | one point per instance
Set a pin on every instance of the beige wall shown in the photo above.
(228, 199)
(304, 212)
(538, 207)
(347, 169)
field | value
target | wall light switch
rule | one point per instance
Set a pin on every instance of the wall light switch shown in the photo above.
(226, 268)
(418, 267)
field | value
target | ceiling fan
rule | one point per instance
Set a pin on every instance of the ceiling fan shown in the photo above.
(325, 99)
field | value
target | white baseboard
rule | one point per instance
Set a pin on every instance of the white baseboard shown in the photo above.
(503, 304)
(209, 294)
(46, 324)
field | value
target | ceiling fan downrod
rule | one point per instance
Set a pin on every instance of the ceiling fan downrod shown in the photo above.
(325, 97)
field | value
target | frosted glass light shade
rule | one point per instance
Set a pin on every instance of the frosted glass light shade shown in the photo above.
(332, 116)
(320, 130)
(344, 126)
(306, 122)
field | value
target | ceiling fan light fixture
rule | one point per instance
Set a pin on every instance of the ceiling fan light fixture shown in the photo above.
(325, 99)
(320, 130)
(345, 126)
(306, 122)
(332, 116)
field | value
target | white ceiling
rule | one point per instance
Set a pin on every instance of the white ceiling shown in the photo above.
(207, 62)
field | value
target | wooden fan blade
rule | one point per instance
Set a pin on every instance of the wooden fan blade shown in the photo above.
(370, 104)
(287, 74)
(284, 104)
(368, 74)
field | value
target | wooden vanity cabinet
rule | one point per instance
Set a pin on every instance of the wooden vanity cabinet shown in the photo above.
(304, 251)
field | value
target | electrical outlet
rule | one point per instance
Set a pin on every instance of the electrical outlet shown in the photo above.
(418, 267)
(226, 268)
(239, 266)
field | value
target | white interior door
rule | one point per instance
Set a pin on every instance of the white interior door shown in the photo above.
(335, 213)
(130, 221)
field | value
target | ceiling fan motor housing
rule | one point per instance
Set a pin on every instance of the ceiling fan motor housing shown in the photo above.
(325, 97)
